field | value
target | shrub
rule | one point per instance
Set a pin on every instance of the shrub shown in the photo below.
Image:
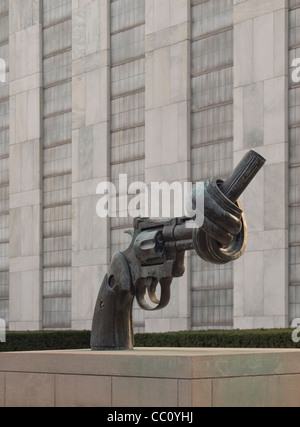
(72, 340)
(269, 338)
(45, 340)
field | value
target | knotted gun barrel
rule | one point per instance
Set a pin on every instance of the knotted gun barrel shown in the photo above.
(212, 243)
(157, 250)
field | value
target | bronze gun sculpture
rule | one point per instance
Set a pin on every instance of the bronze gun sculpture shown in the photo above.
(156, 256)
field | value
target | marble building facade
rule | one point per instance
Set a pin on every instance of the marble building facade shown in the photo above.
(160, 90)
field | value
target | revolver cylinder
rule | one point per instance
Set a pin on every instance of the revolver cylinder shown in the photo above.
(148, 247)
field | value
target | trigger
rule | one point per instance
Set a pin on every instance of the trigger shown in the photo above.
(151, 285)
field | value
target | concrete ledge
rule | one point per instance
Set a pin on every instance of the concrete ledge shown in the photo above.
(151, 378)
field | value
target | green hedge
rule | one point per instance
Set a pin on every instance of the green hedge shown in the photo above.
(270, 338)
(64, 340)
(45, 340)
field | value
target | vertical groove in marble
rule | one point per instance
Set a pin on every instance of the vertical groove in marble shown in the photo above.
(127, 113)
(4, 163)
(294, 172)
(212, 145)
(57, 164)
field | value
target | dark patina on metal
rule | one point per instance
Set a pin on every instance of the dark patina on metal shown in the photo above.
(156, 256)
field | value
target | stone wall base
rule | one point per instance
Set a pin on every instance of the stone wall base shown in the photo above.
(151, 378)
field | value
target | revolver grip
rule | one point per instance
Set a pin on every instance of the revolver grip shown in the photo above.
(112, 322)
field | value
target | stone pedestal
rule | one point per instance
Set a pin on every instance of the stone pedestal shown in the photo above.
(151, 378)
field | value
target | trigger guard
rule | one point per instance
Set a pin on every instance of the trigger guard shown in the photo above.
(165, 295)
